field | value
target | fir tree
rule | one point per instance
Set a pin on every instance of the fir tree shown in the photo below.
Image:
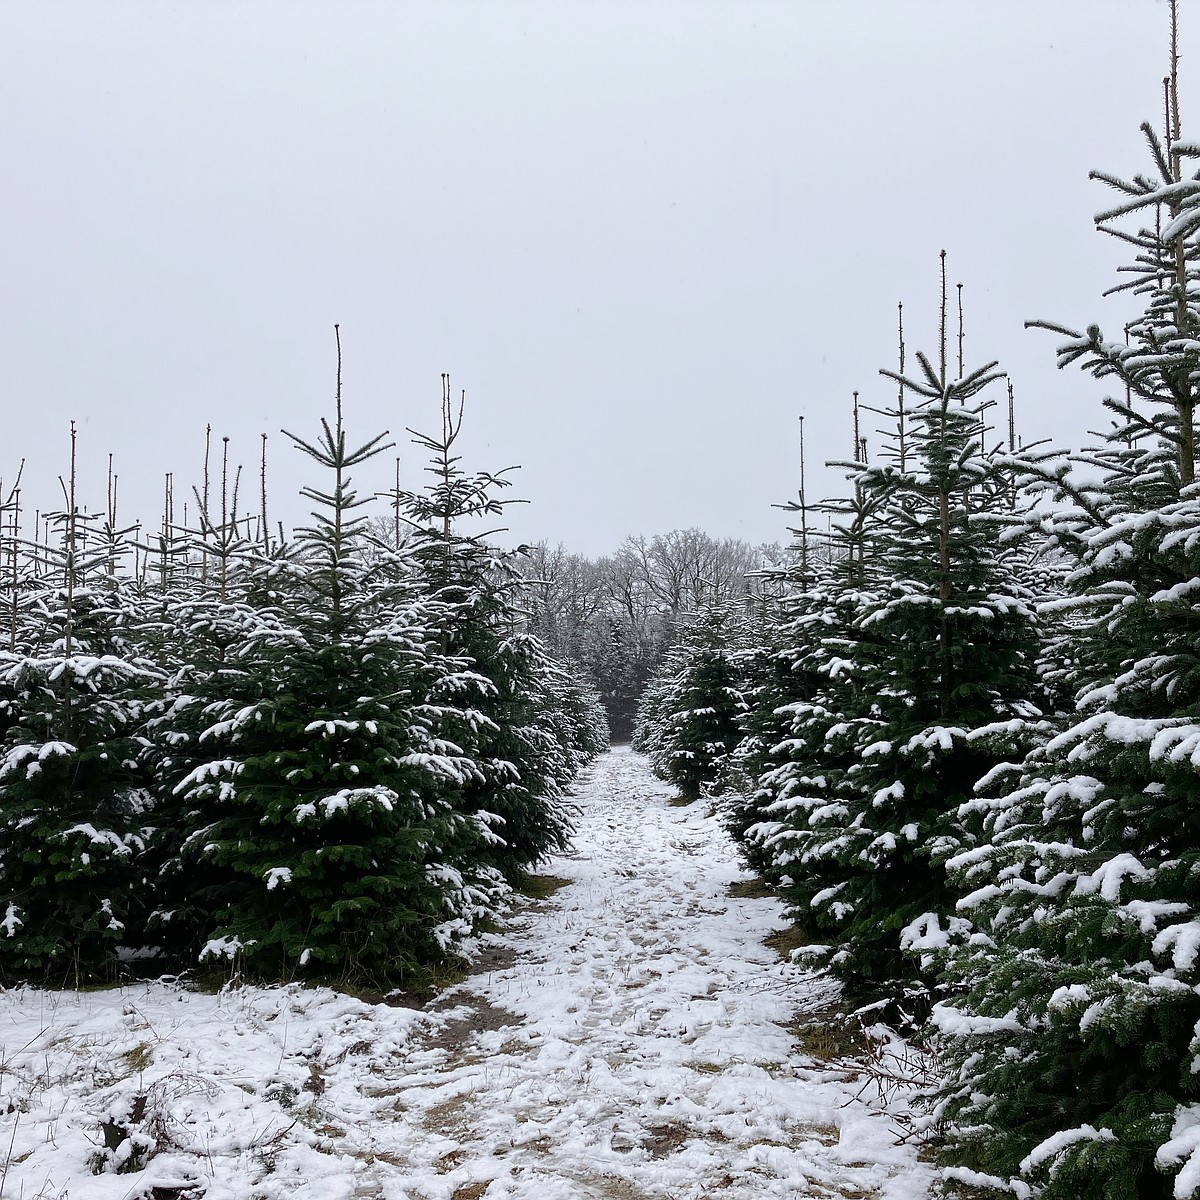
(329, 844)
(1073, 1051)
(924, 644)
(76, 808)
(690, 719)
(494, 710)
(791, 754)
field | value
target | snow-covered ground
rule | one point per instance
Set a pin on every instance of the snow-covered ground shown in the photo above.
(629, 1042)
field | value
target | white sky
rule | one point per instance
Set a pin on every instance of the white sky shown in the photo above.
(643, 236)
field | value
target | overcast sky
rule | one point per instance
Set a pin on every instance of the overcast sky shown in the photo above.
(644, 236)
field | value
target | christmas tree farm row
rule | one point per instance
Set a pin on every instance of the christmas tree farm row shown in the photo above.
(329, 757)
(965, 744)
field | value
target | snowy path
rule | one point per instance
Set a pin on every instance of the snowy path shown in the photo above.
(631, 1044)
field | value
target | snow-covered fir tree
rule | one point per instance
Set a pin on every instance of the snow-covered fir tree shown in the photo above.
(772, 680)
(324, 837)
(325, 757)
(76, 811)
(689, 720)
(912, 656)
(496, 708)
(791, 753)
(1073, 1046)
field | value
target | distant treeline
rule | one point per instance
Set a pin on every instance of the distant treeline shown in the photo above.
(616, 616)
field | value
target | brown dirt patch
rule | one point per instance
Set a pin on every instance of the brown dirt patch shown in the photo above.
(484, 1017)
(663, 1140)
(448, 1118)
(471, 1191)
(616, 1188)
(493, 958)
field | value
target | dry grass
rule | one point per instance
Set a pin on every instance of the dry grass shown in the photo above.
(785, 941)
(752, 889)
(616, 1188)
(831, 1035)
(661, 1141)
(827, 1135)
(541, 887)
(138, 1059)
(450, 1118)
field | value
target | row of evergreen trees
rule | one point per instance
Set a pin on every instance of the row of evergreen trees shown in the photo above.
(328, 757)
(966, 744)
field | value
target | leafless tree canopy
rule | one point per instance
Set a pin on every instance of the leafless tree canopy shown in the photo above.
(616, 616)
